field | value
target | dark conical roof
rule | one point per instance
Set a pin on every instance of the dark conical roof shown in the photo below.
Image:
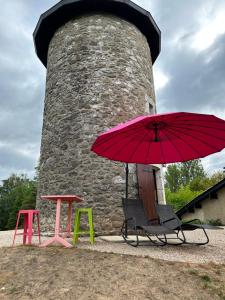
(65, 10)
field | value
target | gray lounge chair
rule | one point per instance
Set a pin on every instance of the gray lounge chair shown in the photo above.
(169, 219)
(137, 224)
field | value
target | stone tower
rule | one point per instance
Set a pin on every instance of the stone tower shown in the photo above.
(99, 56)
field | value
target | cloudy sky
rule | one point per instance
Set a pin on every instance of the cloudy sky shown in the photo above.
(189, 73)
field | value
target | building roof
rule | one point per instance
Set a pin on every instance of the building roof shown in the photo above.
(65, 10)
(210, 193)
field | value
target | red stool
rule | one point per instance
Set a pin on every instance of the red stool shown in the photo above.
(28, 225)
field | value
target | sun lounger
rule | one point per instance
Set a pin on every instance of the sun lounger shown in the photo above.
(136, 224)
(169, 219)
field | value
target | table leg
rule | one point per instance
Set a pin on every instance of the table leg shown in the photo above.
(25, 228)
(57, 218)
(57, 238)
(30, 228)
(69, 219)
(39, 230)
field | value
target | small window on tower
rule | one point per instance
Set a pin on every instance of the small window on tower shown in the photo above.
(151, 109)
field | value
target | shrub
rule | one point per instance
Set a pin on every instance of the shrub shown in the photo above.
(215, 222)
(181, 197)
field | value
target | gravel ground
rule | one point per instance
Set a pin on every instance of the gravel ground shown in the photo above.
(212, 252)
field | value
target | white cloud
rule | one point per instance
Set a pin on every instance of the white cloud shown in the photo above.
(160, 79)
(211, 28)
(182, 80)
(214, 162)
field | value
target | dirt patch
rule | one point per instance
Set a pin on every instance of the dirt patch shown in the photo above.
(57, 273)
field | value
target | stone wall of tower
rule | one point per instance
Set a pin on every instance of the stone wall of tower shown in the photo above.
(99, 73)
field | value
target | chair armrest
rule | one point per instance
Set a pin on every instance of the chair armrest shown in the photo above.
(193, 220)
(171, 219)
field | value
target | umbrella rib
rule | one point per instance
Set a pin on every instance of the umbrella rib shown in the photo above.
(202, 141)
(133, 151)
(176, 149)
(111, 135)
(189, 125)
(131, 156)
(109, 146)
(183, 140)
(190, 134)
(149, 146)
(162, 151)
(130, 141)
(188, 117)
(168, 130)
(182, 122)
(125, 131)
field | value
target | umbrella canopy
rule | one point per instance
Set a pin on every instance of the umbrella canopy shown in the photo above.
(162, 138)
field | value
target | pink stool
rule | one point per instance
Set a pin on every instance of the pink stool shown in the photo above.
(28, 225)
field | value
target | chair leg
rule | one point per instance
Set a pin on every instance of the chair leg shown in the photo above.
(183, 235)
(124, 233)
(25, 229)
(166, 240)
(155, 243)
(123, 230)
(76, 227)
(91, 226)
(15, 232)
(126, 230)
(197, 243)
(38, 224)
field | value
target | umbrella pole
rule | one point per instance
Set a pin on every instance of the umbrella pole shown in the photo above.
(127, 171)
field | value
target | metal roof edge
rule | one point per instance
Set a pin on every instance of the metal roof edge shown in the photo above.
(201, 197)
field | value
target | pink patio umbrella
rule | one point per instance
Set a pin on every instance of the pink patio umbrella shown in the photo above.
(162, 138)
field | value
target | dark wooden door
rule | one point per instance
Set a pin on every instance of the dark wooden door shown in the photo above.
(147, 189)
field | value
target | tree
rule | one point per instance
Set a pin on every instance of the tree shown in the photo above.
(216, 177)
(190, 170)
(182, 174)
(7, 199)
(17, 192)
(173, 177)
(199, 184)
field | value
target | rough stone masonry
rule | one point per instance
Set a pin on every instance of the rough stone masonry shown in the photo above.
(99, 73)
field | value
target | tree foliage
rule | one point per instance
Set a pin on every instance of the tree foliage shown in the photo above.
(182, 174)
(182, 196)
(173, 177)
(191, 170)
(17, 192)
(185, 181)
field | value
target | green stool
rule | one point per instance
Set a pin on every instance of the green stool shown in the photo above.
(77, 230)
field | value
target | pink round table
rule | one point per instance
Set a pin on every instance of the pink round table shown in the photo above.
(59, 199)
